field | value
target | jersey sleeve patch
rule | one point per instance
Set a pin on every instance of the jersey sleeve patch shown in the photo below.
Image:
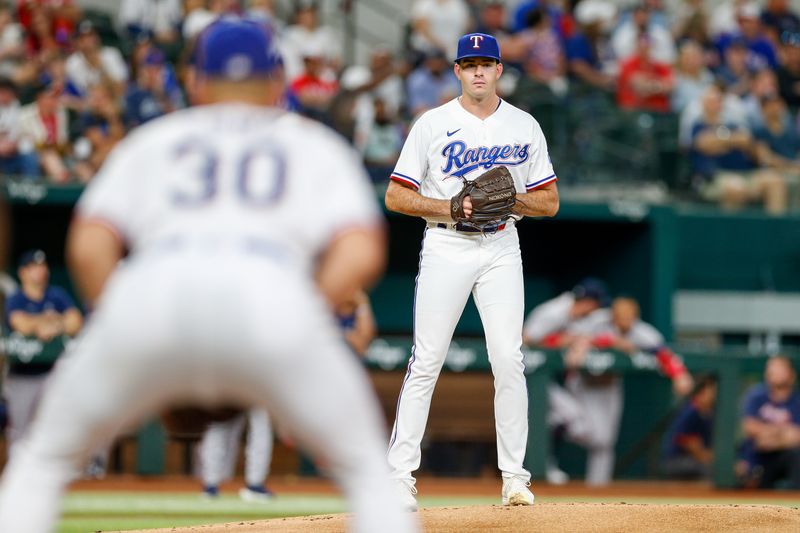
(541, 183)
(402, 178)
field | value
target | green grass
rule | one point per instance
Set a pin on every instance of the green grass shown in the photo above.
(114, 511)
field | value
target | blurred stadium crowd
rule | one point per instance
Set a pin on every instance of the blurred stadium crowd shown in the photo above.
(670, 99)
(694, 100)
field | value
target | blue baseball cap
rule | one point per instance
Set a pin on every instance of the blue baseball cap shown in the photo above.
(32, 256)
(478, 45)
(154, 58)
(593, 289)
(236, 49)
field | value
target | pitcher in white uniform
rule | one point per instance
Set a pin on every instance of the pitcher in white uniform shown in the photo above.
(456, 141)
(226, 295)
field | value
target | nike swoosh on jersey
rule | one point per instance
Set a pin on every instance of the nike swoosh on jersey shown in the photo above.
(451, 133)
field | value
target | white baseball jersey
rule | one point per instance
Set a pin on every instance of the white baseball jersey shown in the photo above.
(549, 317)
(232, 175)
(448, 144)
(642, 335)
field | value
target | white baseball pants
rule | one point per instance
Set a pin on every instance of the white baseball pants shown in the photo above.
(219, 449)
(192, 327)
(454, 265)
(601, 405)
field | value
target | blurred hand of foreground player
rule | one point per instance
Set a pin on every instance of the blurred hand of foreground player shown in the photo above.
(354, 260)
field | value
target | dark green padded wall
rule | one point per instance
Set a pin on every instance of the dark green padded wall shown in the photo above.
(746, 251)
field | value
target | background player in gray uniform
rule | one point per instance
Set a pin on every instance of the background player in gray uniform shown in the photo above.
(232, 292)
(601, 397)
(219, 449)
(549, 326)
(454, 142)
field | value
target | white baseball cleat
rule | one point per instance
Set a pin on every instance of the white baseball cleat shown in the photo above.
(516, 492)
(407, 490)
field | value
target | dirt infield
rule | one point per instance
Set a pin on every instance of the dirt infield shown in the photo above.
(431, 486)
(550, 517)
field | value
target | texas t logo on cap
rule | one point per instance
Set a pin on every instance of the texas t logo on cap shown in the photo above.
(478, 45)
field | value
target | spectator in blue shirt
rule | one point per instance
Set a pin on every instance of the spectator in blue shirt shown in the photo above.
(154, 93)
(431, 84)
(723, 162)
(519, 19)
(762, 53)
(584, 49)
(777, 142)
(687, 447)
(771, 425)
(735, 75)
(777, 17)
(789, 70)
(38, 311)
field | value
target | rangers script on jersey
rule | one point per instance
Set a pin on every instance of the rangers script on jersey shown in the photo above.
(458, 146)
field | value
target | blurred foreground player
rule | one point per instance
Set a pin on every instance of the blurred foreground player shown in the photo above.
(225, 298)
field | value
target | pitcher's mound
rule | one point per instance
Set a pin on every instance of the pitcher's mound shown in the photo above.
(550, 518)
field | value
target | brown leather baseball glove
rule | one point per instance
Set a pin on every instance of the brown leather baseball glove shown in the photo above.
(493, 196)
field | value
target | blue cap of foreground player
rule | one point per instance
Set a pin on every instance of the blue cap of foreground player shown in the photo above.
(236, 49)
(478, 45)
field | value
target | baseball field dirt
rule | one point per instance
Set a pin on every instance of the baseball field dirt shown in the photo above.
(550, 518)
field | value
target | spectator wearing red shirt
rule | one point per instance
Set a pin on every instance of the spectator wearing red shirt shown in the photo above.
(39, 40)
(60, 15)
(644, 84)
(316, 87)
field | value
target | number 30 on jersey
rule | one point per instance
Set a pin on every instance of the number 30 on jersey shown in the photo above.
(255, 177)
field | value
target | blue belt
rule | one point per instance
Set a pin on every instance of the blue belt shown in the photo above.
(468, 229)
